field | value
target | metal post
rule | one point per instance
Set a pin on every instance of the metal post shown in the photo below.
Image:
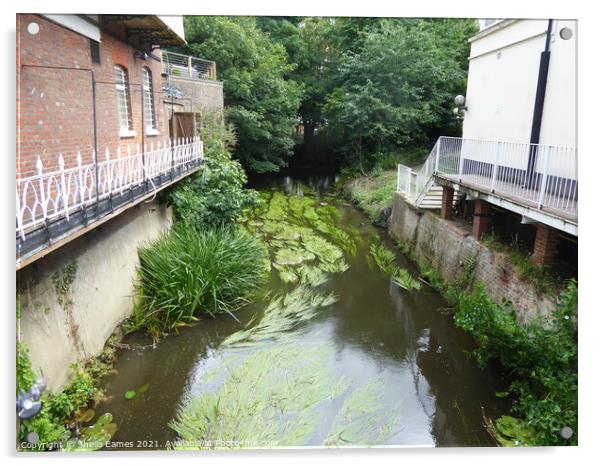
(495, 165)
(461, 162)
(437, 153)
(143, 139)
(544, 177)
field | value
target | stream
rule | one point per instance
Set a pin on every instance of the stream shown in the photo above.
(335, 354)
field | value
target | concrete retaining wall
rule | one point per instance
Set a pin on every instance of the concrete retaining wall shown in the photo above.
(447, 246)
(73, 299)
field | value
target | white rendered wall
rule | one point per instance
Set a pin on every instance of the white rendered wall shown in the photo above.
(502, 83)
(99, 299)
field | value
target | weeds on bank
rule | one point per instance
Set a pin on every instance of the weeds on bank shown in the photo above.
(540, 357)
(543, 279)
(64, 411)
(373, 194)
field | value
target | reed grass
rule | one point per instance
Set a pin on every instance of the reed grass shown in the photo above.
(190, 272)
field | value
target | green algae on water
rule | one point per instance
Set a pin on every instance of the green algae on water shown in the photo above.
(366, 418)
(299, 235)
(283, 314)
(270, 399)
(385, 261)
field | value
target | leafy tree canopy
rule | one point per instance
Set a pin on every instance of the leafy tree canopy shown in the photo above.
(260, 102)
(370, 86)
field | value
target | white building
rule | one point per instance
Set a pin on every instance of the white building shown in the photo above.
(518, 146)
(503, 77)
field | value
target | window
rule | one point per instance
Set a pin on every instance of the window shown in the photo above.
(124, 107)
(95, 51)
(149, 103)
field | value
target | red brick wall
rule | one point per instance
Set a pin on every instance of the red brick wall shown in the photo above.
(546, 243)
(447, 202)
(54, 106)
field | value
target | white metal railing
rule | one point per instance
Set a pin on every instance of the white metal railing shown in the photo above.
(46, 196)
(176, 64)
(539, 175)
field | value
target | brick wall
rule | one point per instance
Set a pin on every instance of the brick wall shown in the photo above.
(55, 106)
(447, 247)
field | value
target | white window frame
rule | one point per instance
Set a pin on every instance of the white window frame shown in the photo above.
(121, 89)
(149, 103)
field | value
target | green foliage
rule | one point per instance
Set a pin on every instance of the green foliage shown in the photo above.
(261, 103)
(62, 281)
(307, 245)
(283, 314)
(542, 277)
(509, 431)
(403, 279)
(373, 194)
(216, 195)
(367, 86)
(384, 258)
(190, 272)
(272, 396)
(366, 417)
(397, 86)
(58, 408)
(93, 437)
(25, 374)
(541, 356)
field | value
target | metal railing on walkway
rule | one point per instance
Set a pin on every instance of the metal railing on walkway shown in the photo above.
(536, 175)
(53, 204)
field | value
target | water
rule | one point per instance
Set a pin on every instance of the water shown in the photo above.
(401, 347)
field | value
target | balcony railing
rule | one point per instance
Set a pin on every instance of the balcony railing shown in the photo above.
(535, 175)
(185, 66)
(53, 205)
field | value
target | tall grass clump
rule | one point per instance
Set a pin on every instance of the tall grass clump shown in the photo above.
(190, 272)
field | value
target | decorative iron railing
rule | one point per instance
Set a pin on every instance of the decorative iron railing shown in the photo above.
(185, 66)
(537, 175)
(56, 203)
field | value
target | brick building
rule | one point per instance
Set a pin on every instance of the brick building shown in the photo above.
(59, 69)
(96, 84)
(100, 84)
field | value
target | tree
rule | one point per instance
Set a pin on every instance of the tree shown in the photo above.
(260, 101)
(396, 84)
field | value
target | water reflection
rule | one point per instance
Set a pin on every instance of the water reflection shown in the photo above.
(376, 331)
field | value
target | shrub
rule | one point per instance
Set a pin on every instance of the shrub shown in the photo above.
(541, 358)
(58, 408)
(216, 195)
(190, 272)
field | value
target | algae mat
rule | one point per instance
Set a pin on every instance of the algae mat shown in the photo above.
(278, 392)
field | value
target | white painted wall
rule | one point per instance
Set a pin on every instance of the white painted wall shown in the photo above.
(102, 293)
(502, 82)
